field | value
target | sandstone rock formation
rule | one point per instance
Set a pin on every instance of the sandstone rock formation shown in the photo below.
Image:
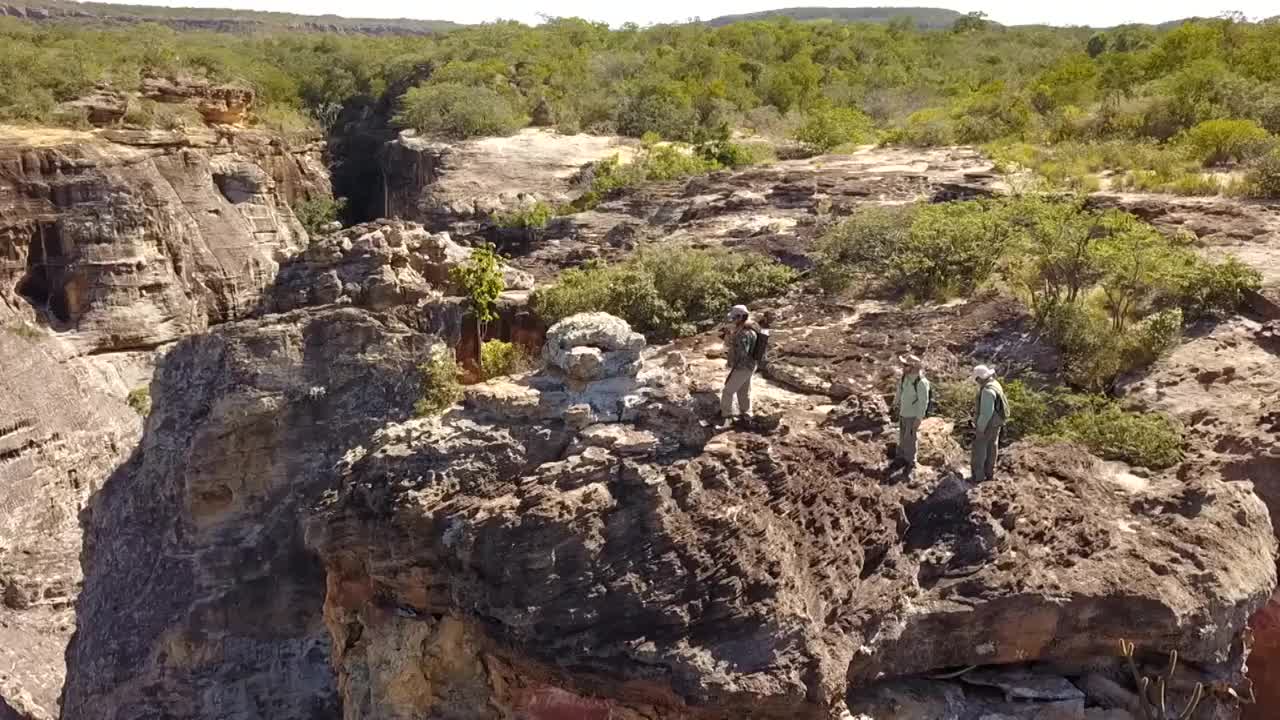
(197, 574)
(577, 542)
(119, 245)
(508, 558)
(1223, 382)
(447, 185)
(112, 245)
(217, 104)
(60, 435)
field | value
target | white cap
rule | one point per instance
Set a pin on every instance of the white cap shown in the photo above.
(738, 311)
(910, 360)
(982, 372)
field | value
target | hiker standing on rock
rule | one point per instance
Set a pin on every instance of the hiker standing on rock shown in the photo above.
(991, 413)
(912, 401)
(741, 341)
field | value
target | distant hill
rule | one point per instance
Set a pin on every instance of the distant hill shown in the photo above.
(213, 19)
(925, 17)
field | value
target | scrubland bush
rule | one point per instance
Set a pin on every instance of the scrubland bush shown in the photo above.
(664, 293)
(457, 111)
(499, 357)
(827, 128)
(1214, 142)
(1095, 421)
(927, 252)
(441, 387)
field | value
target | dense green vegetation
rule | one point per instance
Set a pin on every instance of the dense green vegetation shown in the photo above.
(480, 281)
(1109, 290)
(1152, 104)
(665, 292)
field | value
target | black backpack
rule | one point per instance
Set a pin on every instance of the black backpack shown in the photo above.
(760, 348)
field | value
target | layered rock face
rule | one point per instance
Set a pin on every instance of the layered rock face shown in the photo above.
(112, 245)
(60, 435)
(127, 244)
(579, 543)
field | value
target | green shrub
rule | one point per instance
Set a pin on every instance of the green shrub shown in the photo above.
(930, 252)
(528, 217)
(499, 357)
(1214, 142)
(140, 400)
(1263, 179)
(827, 128)
(860, 248)
(663, 293)
(1094, 421)
(1146, 439)
(926, 128)
(655, 162)
(665, 109)
(317, 212)
(726, 153)
(457, 111)
(440, 385)
(1094, 353)
(1217, 289)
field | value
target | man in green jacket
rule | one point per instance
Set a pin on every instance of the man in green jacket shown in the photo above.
(741, 343)
(912, 401)
(990, 415)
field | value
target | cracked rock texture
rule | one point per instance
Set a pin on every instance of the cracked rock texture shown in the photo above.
(113, 245)
(201, 600)
(124, 240)
(501, 561)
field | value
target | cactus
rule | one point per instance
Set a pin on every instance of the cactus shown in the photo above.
(1151, 692)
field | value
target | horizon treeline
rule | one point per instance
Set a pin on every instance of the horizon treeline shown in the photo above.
(974, 83)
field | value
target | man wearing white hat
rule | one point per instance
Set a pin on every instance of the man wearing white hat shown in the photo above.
(991, 413)
(741, 343)
(912, 401)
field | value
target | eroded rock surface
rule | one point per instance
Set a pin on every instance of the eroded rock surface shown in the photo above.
(119, 244)
(200, 600)
(508, 558)
(112, 246)
(452, 185)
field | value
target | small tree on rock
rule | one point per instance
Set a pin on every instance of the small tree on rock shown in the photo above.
(481, 282)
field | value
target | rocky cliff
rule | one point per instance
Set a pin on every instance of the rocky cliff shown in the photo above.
(577, 542)
(123, 240)
(112, 244)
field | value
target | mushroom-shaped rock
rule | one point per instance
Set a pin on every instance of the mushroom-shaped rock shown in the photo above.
(593, 346)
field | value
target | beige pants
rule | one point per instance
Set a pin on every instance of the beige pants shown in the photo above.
(986, 448)
(908, 435)
(738, 383)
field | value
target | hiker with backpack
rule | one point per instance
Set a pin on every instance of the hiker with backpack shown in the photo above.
(746, 342)
(991, 413)
(912, 402)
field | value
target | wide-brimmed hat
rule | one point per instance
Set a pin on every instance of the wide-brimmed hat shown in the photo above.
(982, 372)
(738, 311)
(910, 360)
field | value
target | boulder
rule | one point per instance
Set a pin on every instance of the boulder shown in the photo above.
(593, 346)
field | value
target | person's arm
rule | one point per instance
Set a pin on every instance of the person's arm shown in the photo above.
(897, 397)
(926, 390)
(986, 409)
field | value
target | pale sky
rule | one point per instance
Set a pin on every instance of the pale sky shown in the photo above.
(1096, 13)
